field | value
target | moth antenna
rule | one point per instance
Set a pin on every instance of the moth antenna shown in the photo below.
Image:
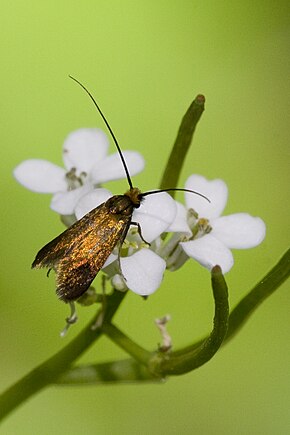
(109, 128)
(177, 189)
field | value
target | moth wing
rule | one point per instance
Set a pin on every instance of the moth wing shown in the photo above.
(77, 269)
(67, 241)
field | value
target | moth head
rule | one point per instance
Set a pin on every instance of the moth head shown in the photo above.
(135, 196)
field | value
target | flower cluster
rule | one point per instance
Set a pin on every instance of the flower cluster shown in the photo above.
(87, 166)
(174, 232)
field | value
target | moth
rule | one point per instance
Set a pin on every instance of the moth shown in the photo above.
(79, 253)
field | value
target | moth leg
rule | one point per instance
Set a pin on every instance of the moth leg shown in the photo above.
(122, 241)
(120, 247)
(140, 232)
(48, 272)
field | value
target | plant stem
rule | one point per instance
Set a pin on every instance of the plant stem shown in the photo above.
(182, 143)
(182, 362)
(123, 341)
(48, 372)
(111, 372)
(245, 308)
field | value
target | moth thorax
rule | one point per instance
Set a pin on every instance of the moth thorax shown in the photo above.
(120, 205)
(135, 196)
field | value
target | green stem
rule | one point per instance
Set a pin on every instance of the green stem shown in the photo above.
(48, 372)
(182, 143)
(179, 363)
(123, 341)
(57, 369)
(159, 364)
(125, 370)
(245, 308)
(112, 372)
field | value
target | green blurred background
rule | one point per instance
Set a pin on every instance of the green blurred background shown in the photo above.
(145, 61)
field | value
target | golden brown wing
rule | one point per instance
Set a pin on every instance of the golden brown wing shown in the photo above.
(76, 271)
(69, 239)
(79, 253)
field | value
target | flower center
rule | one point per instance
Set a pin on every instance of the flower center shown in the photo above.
(74, 180)
(199, 226)
(132, 243)
(203, 226)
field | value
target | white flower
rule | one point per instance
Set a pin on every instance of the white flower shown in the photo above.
(87, 165)
(142, 268)
(212, 235)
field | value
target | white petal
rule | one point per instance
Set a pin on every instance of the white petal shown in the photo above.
(65, 202)
(239, 231)
(216, 191)
(90, 201)
(110, 260)
(143, 271)
(83, 148)
(180, 222)
(111, 167)
(209, 252)
(155, 214)
(41, 176)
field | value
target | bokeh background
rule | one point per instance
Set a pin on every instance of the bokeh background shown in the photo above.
(145, 61)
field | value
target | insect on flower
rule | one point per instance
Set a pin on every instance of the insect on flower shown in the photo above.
(78, 254)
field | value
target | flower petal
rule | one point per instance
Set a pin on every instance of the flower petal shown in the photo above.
(209, 252)
(239, 231)
(111, 167)
(41, 176)
(180, 225)
(143, 271)
(83, 148)
(110, 260)
(155, 215)
(216, 191)
(65, 202)
(90, 201)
